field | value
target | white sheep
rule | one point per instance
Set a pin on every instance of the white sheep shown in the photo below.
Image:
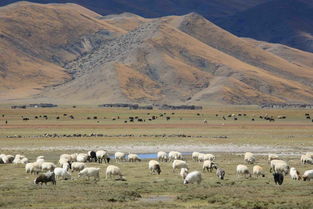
(174, 155)
(279, 166)
(258, 171)
(20, 159)
(308, 175)
(201, 157)
(208, 165)
(272, 157)
(294, 174)
(64, 161)
(243, 170)
(62, 172)
(120, 156)
(183, 172)
(193, 177)
(24, 160)
(154, 167)
(208, 157)
(7, 158)
(32, 168)
(113, 170)
(133, 158)
(78, 166)
(90, 172)
(178, 164)
(102, 155)
(306, 159)
(40, 160)
(48, 166)
(195, 156)
(82, 157)
(162, 156)
(249, 157)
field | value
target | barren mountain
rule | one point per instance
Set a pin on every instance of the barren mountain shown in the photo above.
(127, 58)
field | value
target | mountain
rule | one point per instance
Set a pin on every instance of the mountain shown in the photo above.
(87, 58)
(288, 22)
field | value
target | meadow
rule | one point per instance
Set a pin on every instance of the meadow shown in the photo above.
(185, 131)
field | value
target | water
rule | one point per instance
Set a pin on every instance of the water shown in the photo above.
(153, 155)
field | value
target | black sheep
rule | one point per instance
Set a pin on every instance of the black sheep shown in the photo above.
(44, 178)
(278, 178)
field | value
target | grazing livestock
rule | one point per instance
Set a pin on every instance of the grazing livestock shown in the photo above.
(32, 168)
(279, 166)
(90, 172)
(154, 166)
(62, 173)
(183, 172)
(162, 156)
(220, 173)
(308, 175)
(113, 170)
(92, 156)
(82, 157)
(193, 177)
(45, 178)
(278, 178)
(306, 159)
(272, 157)
(133, 158)
(102, 155)
(249, 158)
(179, 164)
(174, 155)
(243, 170)
(120, 156)
(208, 165)
(258, 171)
(47, 166)
(195, 156)
(78, 166)
(294, 174)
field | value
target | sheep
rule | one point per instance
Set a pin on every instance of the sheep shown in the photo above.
(68, 157)
(220, 173)
(272, 157)
(64, 161)
(279, 166)
(154, 166)
(103, 155)
(82, 157)
(74, 157)
(120, 156)
(183, 172)
(20, 159)
(208, 157)
(243, 170)
(133, 158)
(78, 166)
(309, 154)
(249, 157)
(46, 177)
(62, 172)
(278, 178)
(195, 156)
(92, 156)
(306, 159)
(193, 177)
(258, 171)
(90, 172)
(40, 161)
(201, 157)
(113, 170)
(47, 166)
(7, 158)
(24, 160)
(174, 155)
(32, 168)
(308, 175)
(208, 165)
(179, 164)
(162, 156)
(294, 174)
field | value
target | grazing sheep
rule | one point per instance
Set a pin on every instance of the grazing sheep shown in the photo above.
(306, 159)
(162, 156)
(193, 177)
(92, 156)
(195, 156)
(243, 170)
(208, 157)
(249, 157)
(78, 166)
(103, 155)
(82, 157)
(258, 171)
(278, 178)
(24, 160)
(174, 155)
(154, 166)
(20, 159)
(64, 161)
(7, 158)
(46, 177)
(90, 172)
(220, 173)
(308, 175)
(113, 170)
(279, 166)
(294, 174)
(179, 164)
(208, 165)
(201, 157)
(47, 166)
(133, 158)
(120, 156)
(62, 172)
(272, 157)
(183, 172)
(32, 168)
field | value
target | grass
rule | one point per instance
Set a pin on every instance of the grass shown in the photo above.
(142, 190)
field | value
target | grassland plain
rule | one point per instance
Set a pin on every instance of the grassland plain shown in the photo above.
(142, 190)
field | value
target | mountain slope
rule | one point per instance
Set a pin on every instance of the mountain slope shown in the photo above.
(289, 22)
